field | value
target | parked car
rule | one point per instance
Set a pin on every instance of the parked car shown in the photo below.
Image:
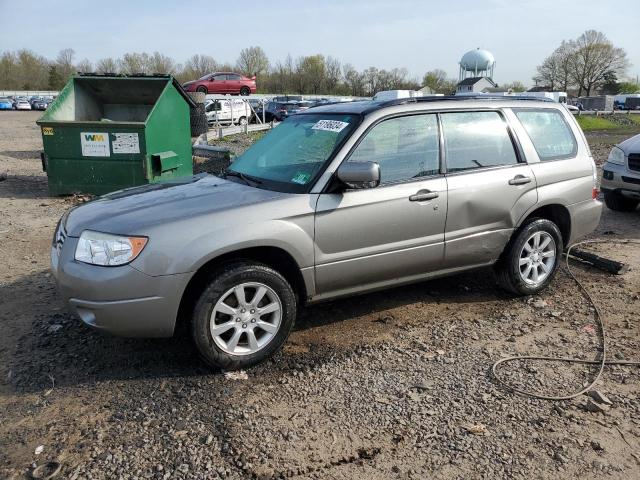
(22, 104)
(6, 103)
(337, 200)
(257, 108)
(40, 104)
(227, 111)
(621, 176)
(278, 111)
(223, 82)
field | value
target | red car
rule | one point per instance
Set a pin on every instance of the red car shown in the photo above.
(223, 82)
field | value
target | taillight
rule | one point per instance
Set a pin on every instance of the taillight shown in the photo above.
(594, 193)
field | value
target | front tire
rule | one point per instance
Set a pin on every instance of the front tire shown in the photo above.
(531, 259)
(617, 202)
(243, 316)
(202, 89)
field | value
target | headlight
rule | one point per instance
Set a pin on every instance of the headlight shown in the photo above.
(109, 250)
(616, 156)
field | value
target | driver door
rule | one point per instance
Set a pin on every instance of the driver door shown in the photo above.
(377, 236)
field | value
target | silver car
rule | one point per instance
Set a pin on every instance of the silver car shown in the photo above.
(621, 176)
(337, 200)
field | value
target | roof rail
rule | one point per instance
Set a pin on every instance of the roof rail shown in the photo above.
(484, 96)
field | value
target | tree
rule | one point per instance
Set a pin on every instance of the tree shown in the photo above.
(333, 73)
(252, 61)
(56, 81)
(595, 57)
(159, 63)
(438, 81)
(312, 69)
(515, 86)
(555, 70)
(628, 87)
(84, 65)
(64, 63)
(197, 66)
(134, 63)
(353, 79)
(107, 65)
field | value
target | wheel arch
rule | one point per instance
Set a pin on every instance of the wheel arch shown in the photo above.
(555, 212)
(274, 257)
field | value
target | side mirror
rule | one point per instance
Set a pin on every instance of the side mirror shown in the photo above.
(359, 174)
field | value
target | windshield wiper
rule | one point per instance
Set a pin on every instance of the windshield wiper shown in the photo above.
(245, 178)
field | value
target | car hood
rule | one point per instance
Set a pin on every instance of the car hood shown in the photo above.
(630, 145)
(134, 211)
(190, 82)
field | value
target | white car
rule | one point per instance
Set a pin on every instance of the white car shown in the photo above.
(23, 105)
(227, 111)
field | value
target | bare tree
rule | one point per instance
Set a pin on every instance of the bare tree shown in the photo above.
(555, 70)
(84, 65)
(64, 63)
(107, 65)
(134, 63)
(353, 79)
(515, 86)
(333, 71)
(159, 63)
(594, 58)
(197, 66)
(252, 61)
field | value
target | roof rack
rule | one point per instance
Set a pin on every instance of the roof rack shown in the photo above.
(484, 96)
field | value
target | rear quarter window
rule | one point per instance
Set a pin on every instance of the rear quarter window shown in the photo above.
(549, 132)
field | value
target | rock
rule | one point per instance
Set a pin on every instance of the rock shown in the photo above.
(597, 446)
(539, 304)
(599, 397)
(558, 457)
(54, 328)
(595, 407)
(184, 467)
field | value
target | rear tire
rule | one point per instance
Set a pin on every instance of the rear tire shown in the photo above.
(531, 259)
(245, 91)
(617, 202)
(231, 333)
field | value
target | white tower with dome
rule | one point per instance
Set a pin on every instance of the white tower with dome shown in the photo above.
(477, 63)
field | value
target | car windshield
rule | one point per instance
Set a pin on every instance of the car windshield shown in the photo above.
(291, 156)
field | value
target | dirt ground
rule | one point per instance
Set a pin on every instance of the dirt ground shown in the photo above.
(395, 384)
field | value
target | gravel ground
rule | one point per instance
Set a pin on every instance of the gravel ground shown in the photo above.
(395, 384)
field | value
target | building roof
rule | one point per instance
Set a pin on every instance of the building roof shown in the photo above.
(474, 80)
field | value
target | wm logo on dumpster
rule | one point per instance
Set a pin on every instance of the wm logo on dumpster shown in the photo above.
(94, 137)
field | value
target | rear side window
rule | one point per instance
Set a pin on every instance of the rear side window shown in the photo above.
(549, 133)
(476, 140)
(404, 147)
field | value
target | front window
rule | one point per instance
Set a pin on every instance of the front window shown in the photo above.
(291, 156)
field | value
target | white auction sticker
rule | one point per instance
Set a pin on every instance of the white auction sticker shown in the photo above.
(330, 125)
(125, 143)
(95, 144)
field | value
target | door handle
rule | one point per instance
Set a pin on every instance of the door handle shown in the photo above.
(423, 195)
(519, 180)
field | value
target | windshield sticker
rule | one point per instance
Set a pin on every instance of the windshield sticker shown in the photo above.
(330, 125)
(301, 177)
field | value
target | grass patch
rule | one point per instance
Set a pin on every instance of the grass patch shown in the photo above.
(591, 122)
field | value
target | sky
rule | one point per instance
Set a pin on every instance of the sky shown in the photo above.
(417, 35)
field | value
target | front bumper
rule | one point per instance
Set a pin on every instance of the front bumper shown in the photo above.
(119, 300)
(619, 179)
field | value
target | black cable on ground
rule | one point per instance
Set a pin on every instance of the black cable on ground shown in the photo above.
(601, 326)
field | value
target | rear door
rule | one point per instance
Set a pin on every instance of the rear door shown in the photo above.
(490, 186)
(372, 237)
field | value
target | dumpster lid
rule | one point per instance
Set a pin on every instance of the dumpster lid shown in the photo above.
(176, 84)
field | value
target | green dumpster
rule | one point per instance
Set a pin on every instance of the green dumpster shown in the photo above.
(104, 133)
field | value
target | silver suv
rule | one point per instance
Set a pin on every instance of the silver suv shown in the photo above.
(336, 201)
(621, 176)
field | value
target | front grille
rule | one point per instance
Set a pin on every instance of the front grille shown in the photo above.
(631, 180)
(634, 161)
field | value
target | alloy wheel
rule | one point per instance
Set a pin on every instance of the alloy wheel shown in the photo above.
(246, 318)
(537, 258)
